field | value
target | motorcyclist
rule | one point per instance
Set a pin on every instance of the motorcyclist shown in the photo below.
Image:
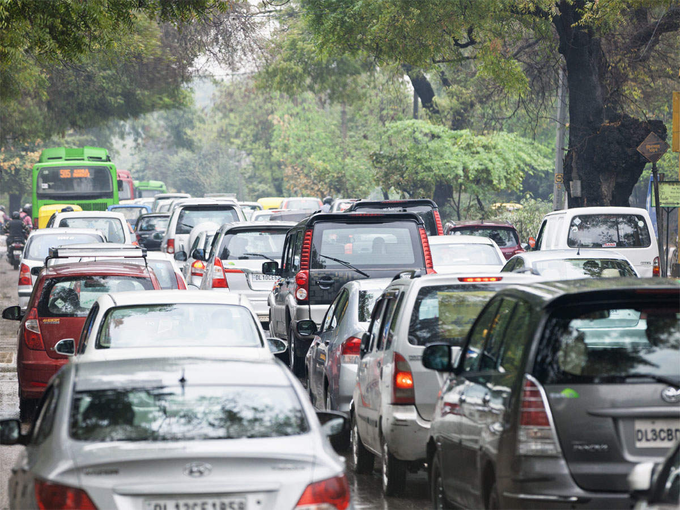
(327, 202)
(15, 229)
(3, 215)
(25, 215)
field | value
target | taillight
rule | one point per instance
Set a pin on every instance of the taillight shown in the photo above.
(438, 221)
(349, 352)
(32, 336)
(180, 282)
(402, 382)
(478, 279)
(302, 285)
(170, 248)
(219, 281)
(306, 250)
(197, 268)
(52, 496)
(536, 436)
(326, 495)
(656, 267)
(24, 275)
(426, 251)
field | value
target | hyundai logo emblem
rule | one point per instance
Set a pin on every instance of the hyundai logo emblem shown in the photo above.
(197, 469)
(671, 395)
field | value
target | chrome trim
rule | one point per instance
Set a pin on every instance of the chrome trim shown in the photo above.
(544, 396)
(541, 497)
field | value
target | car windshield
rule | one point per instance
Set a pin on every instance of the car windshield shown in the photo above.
(189, 217)
(38, 246)
(186, 413)
(584, 268)
(609, 231)
(268, 242)
(179, 325)
(389, 245)
(609, 344)
(130, 213)
(503, 237)
(74, 296)
(307, 204)
(446, 313)
(63, 181)
(464, 255)
(112, 228)
(153, 223)
(367, 299)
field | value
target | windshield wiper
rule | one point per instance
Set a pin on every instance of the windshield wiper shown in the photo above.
(259, 255)
(658, 378)
(346, 264)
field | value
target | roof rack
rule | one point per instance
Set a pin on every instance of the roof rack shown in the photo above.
(95, 251)
(410, 274)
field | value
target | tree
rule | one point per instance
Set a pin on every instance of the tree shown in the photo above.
(613, 52)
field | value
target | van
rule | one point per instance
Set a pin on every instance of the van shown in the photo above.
(628, 230)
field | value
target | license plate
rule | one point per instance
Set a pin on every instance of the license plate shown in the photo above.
(656, 433)
(196, 504)
(257, 277)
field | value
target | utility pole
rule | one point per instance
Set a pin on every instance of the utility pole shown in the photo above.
(558, 184)
(415, 104)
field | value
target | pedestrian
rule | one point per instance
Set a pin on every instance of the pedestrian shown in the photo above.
(327, 202)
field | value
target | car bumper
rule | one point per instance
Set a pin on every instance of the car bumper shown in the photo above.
(36, 372)
(406, 432)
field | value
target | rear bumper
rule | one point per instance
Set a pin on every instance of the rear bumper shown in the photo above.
(406, 432)
(34, 373)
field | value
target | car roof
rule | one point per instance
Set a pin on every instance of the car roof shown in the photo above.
(482, 223)
(575, 211)
(392, 203)
(358, 217)
(155, 372)
(575, 253)
(97, 267)
(460, 240)
(128, 206)
(250, 225)
(165, 214)
(172, 195)
(92, 214)
(65, 230)
(161, 297)
(302, 198)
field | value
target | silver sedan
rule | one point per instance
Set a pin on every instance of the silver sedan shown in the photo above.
(169, 434)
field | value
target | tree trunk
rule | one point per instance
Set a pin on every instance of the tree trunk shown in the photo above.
(443, 192)
(14, 203)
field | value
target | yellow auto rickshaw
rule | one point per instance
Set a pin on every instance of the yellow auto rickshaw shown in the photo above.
(271, 202)
(46, 212)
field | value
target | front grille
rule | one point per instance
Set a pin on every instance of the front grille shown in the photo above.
(97, 206)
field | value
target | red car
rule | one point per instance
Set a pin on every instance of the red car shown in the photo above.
(61, 299)
(503, 234)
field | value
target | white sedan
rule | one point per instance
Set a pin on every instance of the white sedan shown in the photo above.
(170, 323)
(113, 225)
(465, 254)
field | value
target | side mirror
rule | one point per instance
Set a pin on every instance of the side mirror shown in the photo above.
(524, 246)
(333, 423)
(306, 327)
(365, 342)
(66, 347)
(271, 268)
(198, 254)
(438, 357)
(277, 346)
(35, 271)
(640, 478)
(12, 313)
(10, 432)
(532, 243)
(180, 256)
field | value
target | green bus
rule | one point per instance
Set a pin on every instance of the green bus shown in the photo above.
(149, 189)
(84, 176)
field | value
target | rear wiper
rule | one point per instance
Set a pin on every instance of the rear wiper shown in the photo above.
(346, 264)
(259, 255)
(658, 378)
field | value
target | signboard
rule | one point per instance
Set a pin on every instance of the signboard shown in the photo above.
(669, 194)
(676, 122)
(653, 148)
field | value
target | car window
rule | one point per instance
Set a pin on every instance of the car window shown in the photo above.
(153, 223)
(366, 302)
(245, 245)
(539, 237)
(386, 322)
(464, 254)
(46, 412)
(38, 246)
(165, 273)
(297, 252)
(195, 244)
(289, 246)
(394, 321)
(491, 351)
(503, 237)
(584, 268)
(328, 318)
(609, 231)
(341, 308)
(87, 328)
(190, 216)
(478, 336)
(374, 328)
(112, 228)
(516, 338)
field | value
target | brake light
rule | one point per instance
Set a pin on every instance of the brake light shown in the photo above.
(349, 352)
(438, 221)
(426, 251)
(306, 250)
(478, 279)
(402, 382)
(197, 268)
(656, 267)
(53, 496)
(329, 494)
(536, 436)
(180, 282)
(302, 285)
(219, 280)
(170, 248)
(24, 275)
(32, 336)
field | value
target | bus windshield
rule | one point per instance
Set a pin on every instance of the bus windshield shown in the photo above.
(74, 181)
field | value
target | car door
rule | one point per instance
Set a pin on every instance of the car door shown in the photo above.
(282, 286)
(323, 351)
(316, 360)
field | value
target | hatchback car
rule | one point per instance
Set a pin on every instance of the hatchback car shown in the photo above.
(112, 224)
(504, 234)
(150, 229)
(560, 389)
(310, 204)
(458, 254)
(177, 434)
(200, 239)
(131, 211)
(426, 209)
(57, 309)
(394, 396)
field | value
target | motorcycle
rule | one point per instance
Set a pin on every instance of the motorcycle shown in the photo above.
(14, 252)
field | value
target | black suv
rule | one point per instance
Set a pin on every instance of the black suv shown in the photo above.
(560, 389)
(425, 208)
(325, 251)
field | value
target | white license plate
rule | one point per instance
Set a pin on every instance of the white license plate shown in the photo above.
(196, 504)
(257, 277)
(656, 433)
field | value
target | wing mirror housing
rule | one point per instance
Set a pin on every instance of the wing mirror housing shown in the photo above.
(333, 423)
(198, 254)
(12, 313)
(180, 256)
(35, 271)
(365, 342)
(441, 357)
(271, 268)
(277, 346)
(306, 327)
(66, 347)
(10, 433)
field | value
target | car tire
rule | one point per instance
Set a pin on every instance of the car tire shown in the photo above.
(493, 502)
(362, 459)
(439, 501)
(393, 472)
(295, 363)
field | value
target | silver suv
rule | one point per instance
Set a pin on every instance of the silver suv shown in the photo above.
(395, 396)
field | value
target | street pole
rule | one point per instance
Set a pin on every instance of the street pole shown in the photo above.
(415, 104)
(659, 221)
(558, 181)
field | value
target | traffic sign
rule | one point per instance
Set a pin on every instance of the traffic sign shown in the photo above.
(669, 194)
(653, 147)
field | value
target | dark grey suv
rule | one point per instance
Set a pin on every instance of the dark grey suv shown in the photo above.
(560, 390)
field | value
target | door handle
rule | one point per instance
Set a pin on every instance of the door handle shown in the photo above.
(486, 399)
(325, 282)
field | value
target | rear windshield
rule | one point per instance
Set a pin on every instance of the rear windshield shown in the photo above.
(503, 237)
(189, 217)
(584, 268)
(464, 254)
(426, 212)
(112, 228)
(609, 231)
(367, 299)
(178, 325)
(153, 223)
(256, 244)
(130, 213)
(39, 246)
(446, 313)
(610, 345)
(73, 296)
(174, 413)
(389, 245)
(306, 204)
(165, 273)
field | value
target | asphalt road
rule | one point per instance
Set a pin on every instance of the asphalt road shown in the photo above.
(366, 489)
